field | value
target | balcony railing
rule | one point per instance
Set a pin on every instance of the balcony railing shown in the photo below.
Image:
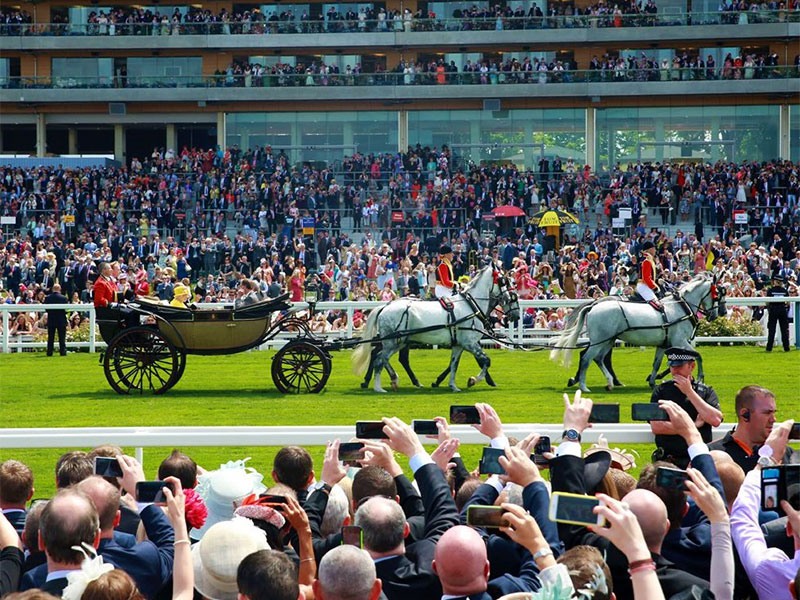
(426, 78)
(664, 18)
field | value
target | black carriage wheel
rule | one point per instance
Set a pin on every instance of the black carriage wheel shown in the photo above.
(141, 359)
(300, 367)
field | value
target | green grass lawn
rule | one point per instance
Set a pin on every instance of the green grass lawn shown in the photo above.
(36, 391)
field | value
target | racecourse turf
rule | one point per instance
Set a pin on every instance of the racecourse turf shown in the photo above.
(71, 391)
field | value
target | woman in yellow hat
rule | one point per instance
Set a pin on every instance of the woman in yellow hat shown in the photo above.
(180, 296)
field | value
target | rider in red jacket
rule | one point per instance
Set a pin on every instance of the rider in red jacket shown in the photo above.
(647, 287)
(445, 279)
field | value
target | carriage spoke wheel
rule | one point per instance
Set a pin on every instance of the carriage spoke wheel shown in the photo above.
(300, 367)
(142, 360)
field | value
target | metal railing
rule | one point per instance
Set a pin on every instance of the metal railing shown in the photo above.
(458, 22)
(517, 333)
(491, 76)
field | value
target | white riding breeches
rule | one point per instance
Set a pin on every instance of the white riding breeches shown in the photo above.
(645, 292)
(442, 291)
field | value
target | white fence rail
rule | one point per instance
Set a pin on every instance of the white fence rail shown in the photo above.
(176, 437)
(516, 333)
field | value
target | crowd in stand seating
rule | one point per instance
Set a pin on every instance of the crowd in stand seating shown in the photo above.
(229, 532)
(228, 223)
(203, 21)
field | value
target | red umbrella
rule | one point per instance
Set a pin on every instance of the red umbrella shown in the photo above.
(508, 210)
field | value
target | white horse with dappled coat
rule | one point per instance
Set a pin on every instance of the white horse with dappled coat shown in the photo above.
(427, 322)
(608, 319)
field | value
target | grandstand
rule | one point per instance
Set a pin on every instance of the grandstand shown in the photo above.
(518, 81)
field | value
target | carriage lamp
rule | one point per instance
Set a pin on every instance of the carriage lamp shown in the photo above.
(311, 293)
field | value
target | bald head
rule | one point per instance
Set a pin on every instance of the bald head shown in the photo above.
(460, 561)
(347, 573)
(105, 498)
(651, 513)
(68, 520)
(384, 526)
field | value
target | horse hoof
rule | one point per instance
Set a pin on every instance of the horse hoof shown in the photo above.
(618, 384)
(394, 386)
(609, 388)
(585, 389)
(417, 384)
(364, 385)
(570, 382)
(471, 381)
(492, 384)
(455, 388)
(380, 390)
(434, 385)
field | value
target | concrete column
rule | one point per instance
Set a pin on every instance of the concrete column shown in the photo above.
(715, 148)
(591, 138)
(527, 152)
(72, 140)
(172, 137)
(659, 135)
(221, 129)
(347, 134)
(41, 135)
(119, 143)
(402, 130)
(784, 131)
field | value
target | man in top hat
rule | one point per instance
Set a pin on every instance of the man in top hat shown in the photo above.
(700, 401)
(778, 313)
(445, 279)
(646, 287)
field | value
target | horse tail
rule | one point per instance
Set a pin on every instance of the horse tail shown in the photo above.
(362, 353)
(562, 350)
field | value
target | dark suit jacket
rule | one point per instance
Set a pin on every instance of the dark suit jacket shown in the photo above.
(54, 586)
(411, 576)
(506, 557)
(10, 569)
(149, 563)
(16, 518)
(566, 475)
(690, 547)
(316, 503)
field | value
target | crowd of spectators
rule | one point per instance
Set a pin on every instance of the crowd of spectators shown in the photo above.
(682, 67)
(203, 21)
(360, 530)
(228, 223)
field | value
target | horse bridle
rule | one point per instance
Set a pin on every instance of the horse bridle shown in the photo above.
(716, 302)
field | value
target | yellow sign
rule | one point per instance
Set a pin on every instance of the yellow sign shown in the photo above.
(69, 219)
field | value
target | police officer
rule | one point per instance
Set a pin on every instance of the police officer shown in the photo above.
(778, 313)
(697, 399)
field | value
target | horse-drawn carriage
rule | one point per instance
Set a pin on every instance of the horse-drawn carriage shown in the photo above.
(148, 343)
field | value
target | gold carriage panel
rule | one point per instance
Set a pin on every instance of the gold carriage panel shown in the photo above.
(218, 332)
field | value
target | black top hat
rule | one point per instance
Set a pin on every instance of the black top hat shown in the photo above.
(647, 245)
(595, 467)
(445, 249)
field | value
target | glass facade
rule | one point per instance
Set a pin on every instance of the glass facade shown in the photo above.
(82, 72)
(315, 136)
(165, 71)
(520, 136)
(709, 133)
(523, 136)
(794, 133)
